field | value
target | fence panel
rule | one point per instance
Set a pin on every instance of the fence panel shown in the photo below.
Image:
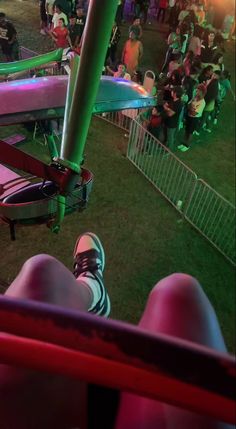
(118, 119)
(214, 217)
(164, 170)
(211, 214)
(26, 53)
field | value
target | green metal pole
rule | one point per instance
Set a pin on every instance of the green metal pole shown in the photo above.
(30, 63)
(95, 43)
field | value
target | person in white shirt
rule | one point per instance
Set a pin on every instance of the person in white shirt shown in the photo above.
(183, 15)
(195, 110)
(195, 41)
(50, 10)
(58, 14)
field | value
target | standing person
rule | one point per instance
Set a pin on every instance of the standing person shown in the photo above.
(184, 37)
(212, 89)
(208, 47)
(80, 20)
(173, 16)
(60, 35)
(144, 10)
(210, 14)
(65, 6)
(172, 19)
(137, 8)
(201, 15)
(74, 31)
(137, 25)
(8, 39)
(190, 82)
(188, 62)
(224, 87)
(43, 17)
(119, 12)
(228, 25)
(113, 44)
(154, 123)
(183, 13)
(195, 41)
(218, 62)
(58, 14)
(194, 114)
(132, 52)
(50, 11)
(163, 5)
(174, 46)
(206, 74)
(173, 110)
(175, 64)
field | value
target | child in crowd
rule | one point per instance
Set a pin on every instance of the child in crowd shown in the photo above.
(60, 35)
(175, 64)
(152, 121)
(120, 72)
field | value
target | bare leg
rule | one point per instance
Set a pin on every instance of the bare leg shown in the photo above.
(43, 278)
(33, 400)
(30, 400)
(176, 306)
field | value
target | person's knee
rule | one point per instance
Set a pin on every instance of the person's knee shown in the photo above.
(35, 280)
(39, 263)
(178, 284)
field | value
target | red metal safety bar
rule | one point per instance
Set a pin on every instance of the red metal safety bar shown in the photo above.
(115, 354)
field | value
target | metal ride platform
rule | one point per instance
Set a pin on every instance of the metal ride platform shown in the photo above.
(27, 203)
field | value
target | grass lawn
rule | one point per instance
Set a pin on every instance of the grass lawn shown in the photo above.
(144, 238)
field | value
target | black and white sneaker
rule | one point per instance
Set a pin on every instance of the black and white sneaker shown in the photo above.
(89, 263)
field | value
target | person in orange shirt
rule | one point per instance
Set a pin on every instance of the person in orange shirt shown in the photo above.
(132, 52)
(200, 14)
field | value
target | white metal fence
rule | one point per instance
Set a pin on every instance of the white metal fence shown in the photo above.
(210, 213)
(213, 216)
(164, 170)
(118, 119)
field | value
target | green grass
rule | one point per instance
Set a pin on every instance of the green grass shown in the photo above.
(144, 237)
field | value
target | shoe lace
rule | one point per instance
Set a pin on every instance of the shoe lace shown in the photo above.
(86, 261)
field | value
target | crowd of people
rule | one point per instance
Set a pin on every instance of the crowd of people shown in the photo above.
(192, 82)
(192, 85)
